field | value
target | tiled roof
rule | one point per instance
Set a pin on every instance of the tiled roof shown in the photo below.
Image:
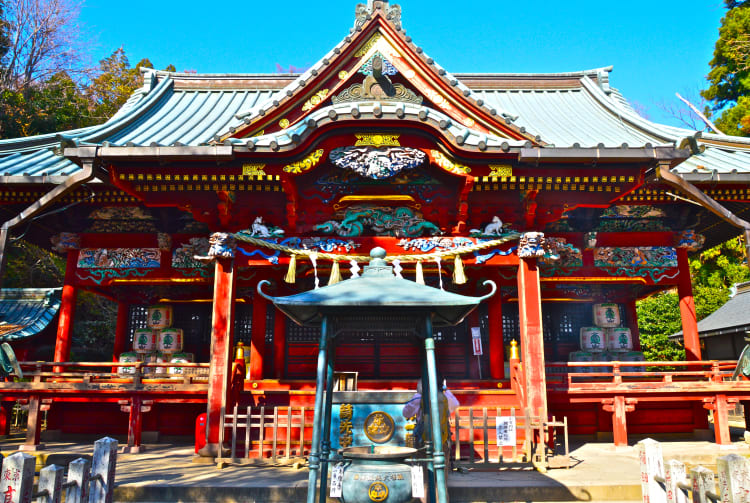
(563, 110)
(732, 317)
(24, 312)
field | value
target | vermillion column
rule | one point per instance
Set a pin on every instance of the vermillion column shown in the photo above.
(67, 311)
(121, 330)
(221, 340)
(687, 308)
(279, 344)
(495, 329)
(530, 322)
(258, 337)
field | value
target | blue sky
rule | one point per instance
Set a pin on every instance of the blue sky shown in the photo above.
(656, 48)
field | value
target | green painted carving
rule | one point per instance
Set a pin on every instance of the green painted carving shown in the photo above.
(399, 221)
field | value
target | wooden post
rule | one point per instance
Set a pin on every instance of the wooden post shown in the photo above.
(135, 408)
(720, 408)
(532, 338)
(652, 464)
(77, 490)
(17, 480)
(687, 308)
(121, 331)
(221, 347)
(33, 426)
(67, 312)
(50, 480)
(258, 337)
(103, 470)
(632, 317)
(733, 478)
(619, 406)
(703, 482)
(279, 344)
(675, 474)
(495, 329)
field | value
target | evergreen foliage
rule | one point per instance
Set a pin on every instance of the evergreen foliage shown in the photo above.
(729, 78)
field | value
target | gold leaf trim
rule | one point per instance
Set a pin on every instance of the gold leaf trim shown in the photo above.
(377, 140)
(315, 100)
(501, 170)
(253, 170)
(368, 45)
(448, 165)
(305, 164)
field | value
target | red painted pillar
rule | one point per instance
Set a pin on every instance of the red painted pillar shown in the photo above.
(221, 348)
(495, 329)
(258, 337)
(279, 344)
(532, 338)
(632, 319)
(619, 406)
(67, 312)
(121, 330)
(687, 308)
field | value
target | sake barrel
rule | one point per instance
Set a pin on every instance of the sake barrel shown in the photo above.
(606, 315)
(156, 358)
(144, 340)
(180, 358)
(593, 339)
(581, 356)
(619, 339)
(159, 317)
(129, 357)
(170, 340)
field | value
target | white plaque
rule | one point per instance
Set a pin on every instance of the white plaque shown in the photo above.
(417, 481)
(505, 427)
(476, 340)
(337, 479)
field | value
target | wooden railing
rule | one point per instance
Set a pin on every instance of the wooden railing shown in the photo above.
(582, 375)
(48, 376)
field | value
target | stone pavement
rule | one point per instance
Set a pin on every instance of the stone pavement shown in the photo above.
(165, 473)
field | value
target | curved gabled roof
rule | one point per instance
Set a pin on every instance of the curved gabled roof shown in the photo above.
(24, 312)
(576, 109)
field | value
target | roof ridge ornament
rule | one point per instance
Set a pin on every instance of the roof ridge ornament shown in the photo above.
(364, 12)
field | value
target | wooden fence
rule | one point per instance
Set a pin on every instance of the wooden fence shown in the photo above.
(275, 435)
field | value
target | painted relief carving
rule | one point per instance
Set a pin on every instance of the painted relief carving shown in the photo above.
(357, 92)
(164, 240)
(262, 230)
(121, 219)
(377, 162)
(691, 240)
(182, 257)
(369, 44)
(632, 218)
(387, 66)
(532, 244)
(381, 220)
(494, 228)
(118, 258)
(435, 243)
(560, 254)
(653, 256)
(222, 245)
(65, 242)
(305, 164)
(377, 140)
(339, 183)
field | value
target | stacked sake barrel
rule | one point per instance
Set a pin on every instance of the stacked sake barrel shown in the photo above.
(607, 341)
(159, 343)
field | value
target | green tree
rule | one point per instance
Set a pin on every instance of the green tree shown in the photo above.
(713, 272)
(729, 77)
(658, 318)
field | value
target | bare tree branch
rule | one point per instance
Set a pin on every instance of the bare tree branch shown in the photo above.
(45, 39)
(699, 114)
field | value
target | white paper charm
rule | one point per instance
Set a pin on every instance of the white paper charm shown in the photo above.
(397, 268)
(314, 260)
(440, 271)
(354, 268)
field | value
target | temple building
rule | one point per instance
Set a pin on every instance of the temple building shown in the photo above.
(202, 186)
